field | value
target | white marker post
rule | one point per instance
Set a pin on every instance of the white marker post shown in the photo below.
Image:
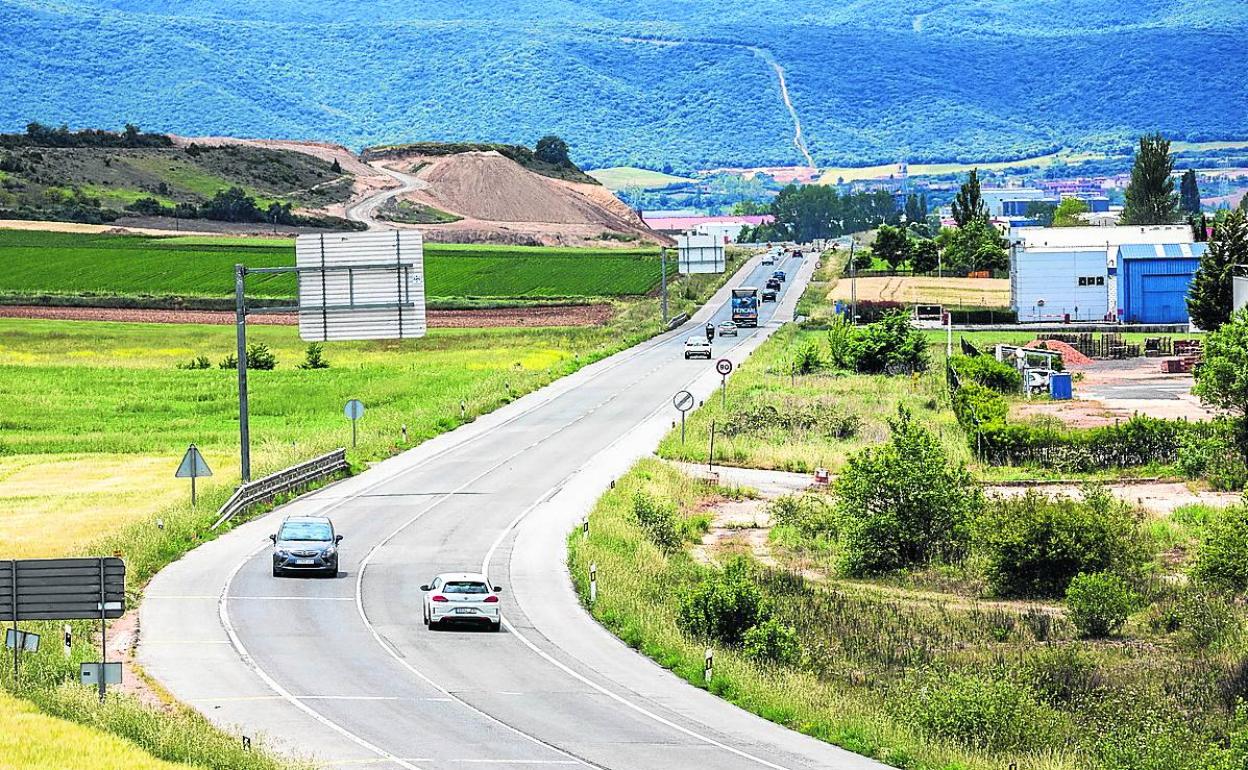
(585, 528)
(948, 334)
(709, 670)
(593, 583)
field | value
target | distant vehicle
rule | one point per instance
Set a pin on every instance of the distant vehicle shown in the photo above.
(710, 331)
(779, 275)
(697, 347)
(727, 329)
(769, 259)
(745, 306)
(305, 544)
(461, 597)
(769, 295)
(773, 283)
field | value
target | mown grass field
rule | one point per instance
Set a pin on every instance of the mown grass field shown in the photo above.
(37, 262)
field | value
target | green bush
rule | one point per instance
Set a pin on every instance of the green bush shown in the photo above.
(1213, 456)
(986, 714)
(1061, 674)
(772, 642)
(890, 346)
(809, 358)
(724, 605)
(314, 357)
(198, 362)
(988, 372)
(1222, 557)
(902, 504)
(1138, 441)
(659, 520)
(809, 514)
(260, 357)
(974, 405)
(1034, 544)
(1099, 603)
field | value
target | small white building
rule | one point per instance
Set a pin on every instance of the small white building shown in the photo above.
(1239, 288)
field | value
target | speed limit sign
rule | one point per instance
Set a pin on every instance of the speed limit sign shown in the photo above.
(723, 366)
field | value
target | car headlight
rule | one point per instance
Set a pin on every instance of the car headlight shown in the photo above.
(330, 552)
(282, 553)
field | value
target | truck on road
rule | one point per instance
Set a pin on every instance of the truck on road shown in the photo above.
(745, 306)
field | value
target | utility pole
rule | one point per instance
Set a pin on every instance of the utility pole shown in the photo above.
(663, 261)
(240, 322)
(853, 285)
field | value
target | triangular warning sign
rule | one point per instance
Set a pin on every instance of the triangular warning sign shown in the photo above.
(193, 465)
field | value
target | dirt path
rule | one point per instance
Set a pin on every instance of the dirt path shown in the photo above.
(553, 315)
(365, 210)
(798, 140)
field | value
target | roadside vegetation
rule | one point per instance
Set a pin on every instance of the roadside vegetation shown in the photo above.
(904, 612)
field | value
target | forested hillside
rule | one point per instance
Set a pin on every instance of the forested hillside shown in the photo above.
(677, 84)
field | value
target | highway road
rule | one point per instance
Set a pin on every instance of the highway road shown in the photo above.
(343, 671)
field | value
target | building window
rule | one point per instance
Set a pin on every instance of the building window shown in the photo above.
(1100, 280)
(1083, 281)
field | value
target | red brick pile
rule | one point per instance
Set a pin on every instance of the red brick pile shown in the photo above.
(1070, 354)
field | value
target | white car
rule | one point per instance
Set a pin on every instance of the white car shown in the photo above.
(461, 597)
(697, 347)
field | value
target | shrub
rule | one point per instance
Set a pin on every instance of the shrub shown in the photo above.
(1213, 456)
(1222, 557)
(811, 515)
(988, 714)
(772, 642)
(260, 357)
(723, 606)
(1061, 674)
(198, 362)
(902, 503)
(1099, 603)
(988, 372)
(229, 362)
(314, 356)
(1034, 544)
(659, 520)
(974, 405)
(1138, 441)
(809, 358)
(890, 346)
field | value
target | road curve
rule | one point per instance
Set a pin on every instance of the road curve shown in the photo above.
(366, 210)
(344, 671)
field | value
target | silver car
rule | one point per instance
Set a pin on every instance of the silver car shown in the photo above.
(727, 329)
(461, 597)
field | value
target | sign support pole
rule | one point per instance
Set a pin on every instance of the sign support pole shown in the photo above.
(710, 455)
(103, 633)
(682, 427)
(16, 645)
(663, 260)
(244, 428)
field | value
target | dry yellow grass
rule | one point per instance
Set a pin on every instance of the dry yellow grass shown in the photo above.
(30, 740)
(964, 292)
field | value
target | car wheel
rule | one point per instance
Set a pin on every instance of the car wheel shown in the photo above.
(424, 616)
(277, 572)
(496, 627)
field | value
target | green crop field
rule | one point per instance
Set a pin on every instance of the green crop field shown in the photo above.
(36, 262)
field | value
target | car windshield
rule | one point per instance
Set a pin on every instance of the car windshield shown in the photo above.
(464, 587)
(306, 530)
(695, 341)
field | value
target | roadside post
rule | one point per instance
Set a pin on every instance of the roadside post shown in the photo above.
(354, 410)
(593, 583)
(69, 639)
(710, 455)
(193, 466)
(663, 270)
(948, 335)
(683, 401)
(585, 528)
(853, 286)
(724, 367)
(709, 669)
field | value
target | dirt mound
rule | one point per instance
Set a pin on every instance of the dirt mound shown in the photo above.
(1070, 354)
(495, 194)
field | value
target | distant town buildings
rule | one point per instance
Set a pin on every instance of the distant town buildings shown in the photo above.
(726, 228)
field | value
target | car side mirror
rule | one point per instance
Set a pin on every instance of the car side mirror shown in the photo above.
(337, 538)
(424, 588)
(498, 589)
(273, 538)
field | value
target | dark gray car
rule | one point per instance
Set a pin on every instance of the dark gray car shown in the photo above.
(306, 544)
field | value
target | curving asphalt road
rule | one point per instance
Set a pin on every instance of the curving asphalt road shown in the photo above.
(343, 671)
(366, 210)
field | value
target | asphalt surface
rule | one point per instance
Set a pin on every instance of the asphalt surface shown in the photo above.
(343, 670)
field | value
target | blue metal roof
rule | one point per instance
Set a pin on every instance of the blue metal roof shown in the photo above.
(1162, 251)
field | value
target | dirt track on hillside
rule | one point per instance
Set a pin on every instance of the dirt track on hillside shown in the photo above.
(556, 315)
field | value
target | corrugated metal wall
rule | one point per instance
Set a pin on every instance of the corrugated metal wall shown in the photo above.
(1050, 285)
(1155, 290)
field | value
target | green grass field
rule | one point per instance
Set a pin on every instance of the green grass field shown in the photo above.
(621, 177)
(37, 262)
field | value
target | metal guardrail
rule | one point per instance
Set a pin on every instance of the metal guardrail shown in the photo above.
(292, 478)
(677, 321)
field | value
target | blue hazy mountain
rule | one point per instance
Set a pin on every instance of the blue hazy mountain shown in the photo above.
(641, 82)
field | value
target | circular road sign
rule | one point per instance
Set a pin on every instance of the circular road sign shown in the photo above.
(683, 401)
(723, 366)
(354, 409)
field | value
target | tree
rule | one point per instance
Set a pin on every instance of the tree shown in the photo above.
(924, 255)
(1041, 211)
(903, 504)
(916, 212)
(977, 246)
(232, 205)
(891, 245)
(968, 204)
(1150, 198)
(1189, 194)
(1210, 296)
(1068, 213)
(335, 167)
(748, 208)
(553, 150)
(1222, 380)
(130, 135)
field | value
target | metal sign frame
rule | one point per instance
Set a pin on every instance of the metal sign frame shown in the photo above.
(698, 253)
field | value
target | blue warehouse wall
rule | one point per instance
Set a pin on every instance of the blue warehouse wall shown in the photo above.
(1073, 283)
(1155, 290)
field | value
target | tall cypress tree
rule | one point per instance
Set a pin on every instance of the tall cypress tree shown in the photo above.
(1150, 196)
(969, 205)
(1210, 296)
(1189, 194)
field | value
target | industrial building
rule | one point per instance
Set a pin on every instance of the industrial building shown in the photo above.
(1129, 274)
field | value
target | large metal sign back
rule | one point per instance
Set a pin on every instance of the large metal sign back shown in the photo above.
(62, 589)
(697, 253)
(361, 286)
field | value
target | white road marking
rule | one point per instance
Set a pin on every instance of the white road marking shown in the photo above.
(186, 641)
(295, 598)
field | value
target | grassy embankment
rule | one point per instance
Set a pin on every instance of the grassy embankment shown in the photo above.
(100, 413)
(929, 667)
(202, 267)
